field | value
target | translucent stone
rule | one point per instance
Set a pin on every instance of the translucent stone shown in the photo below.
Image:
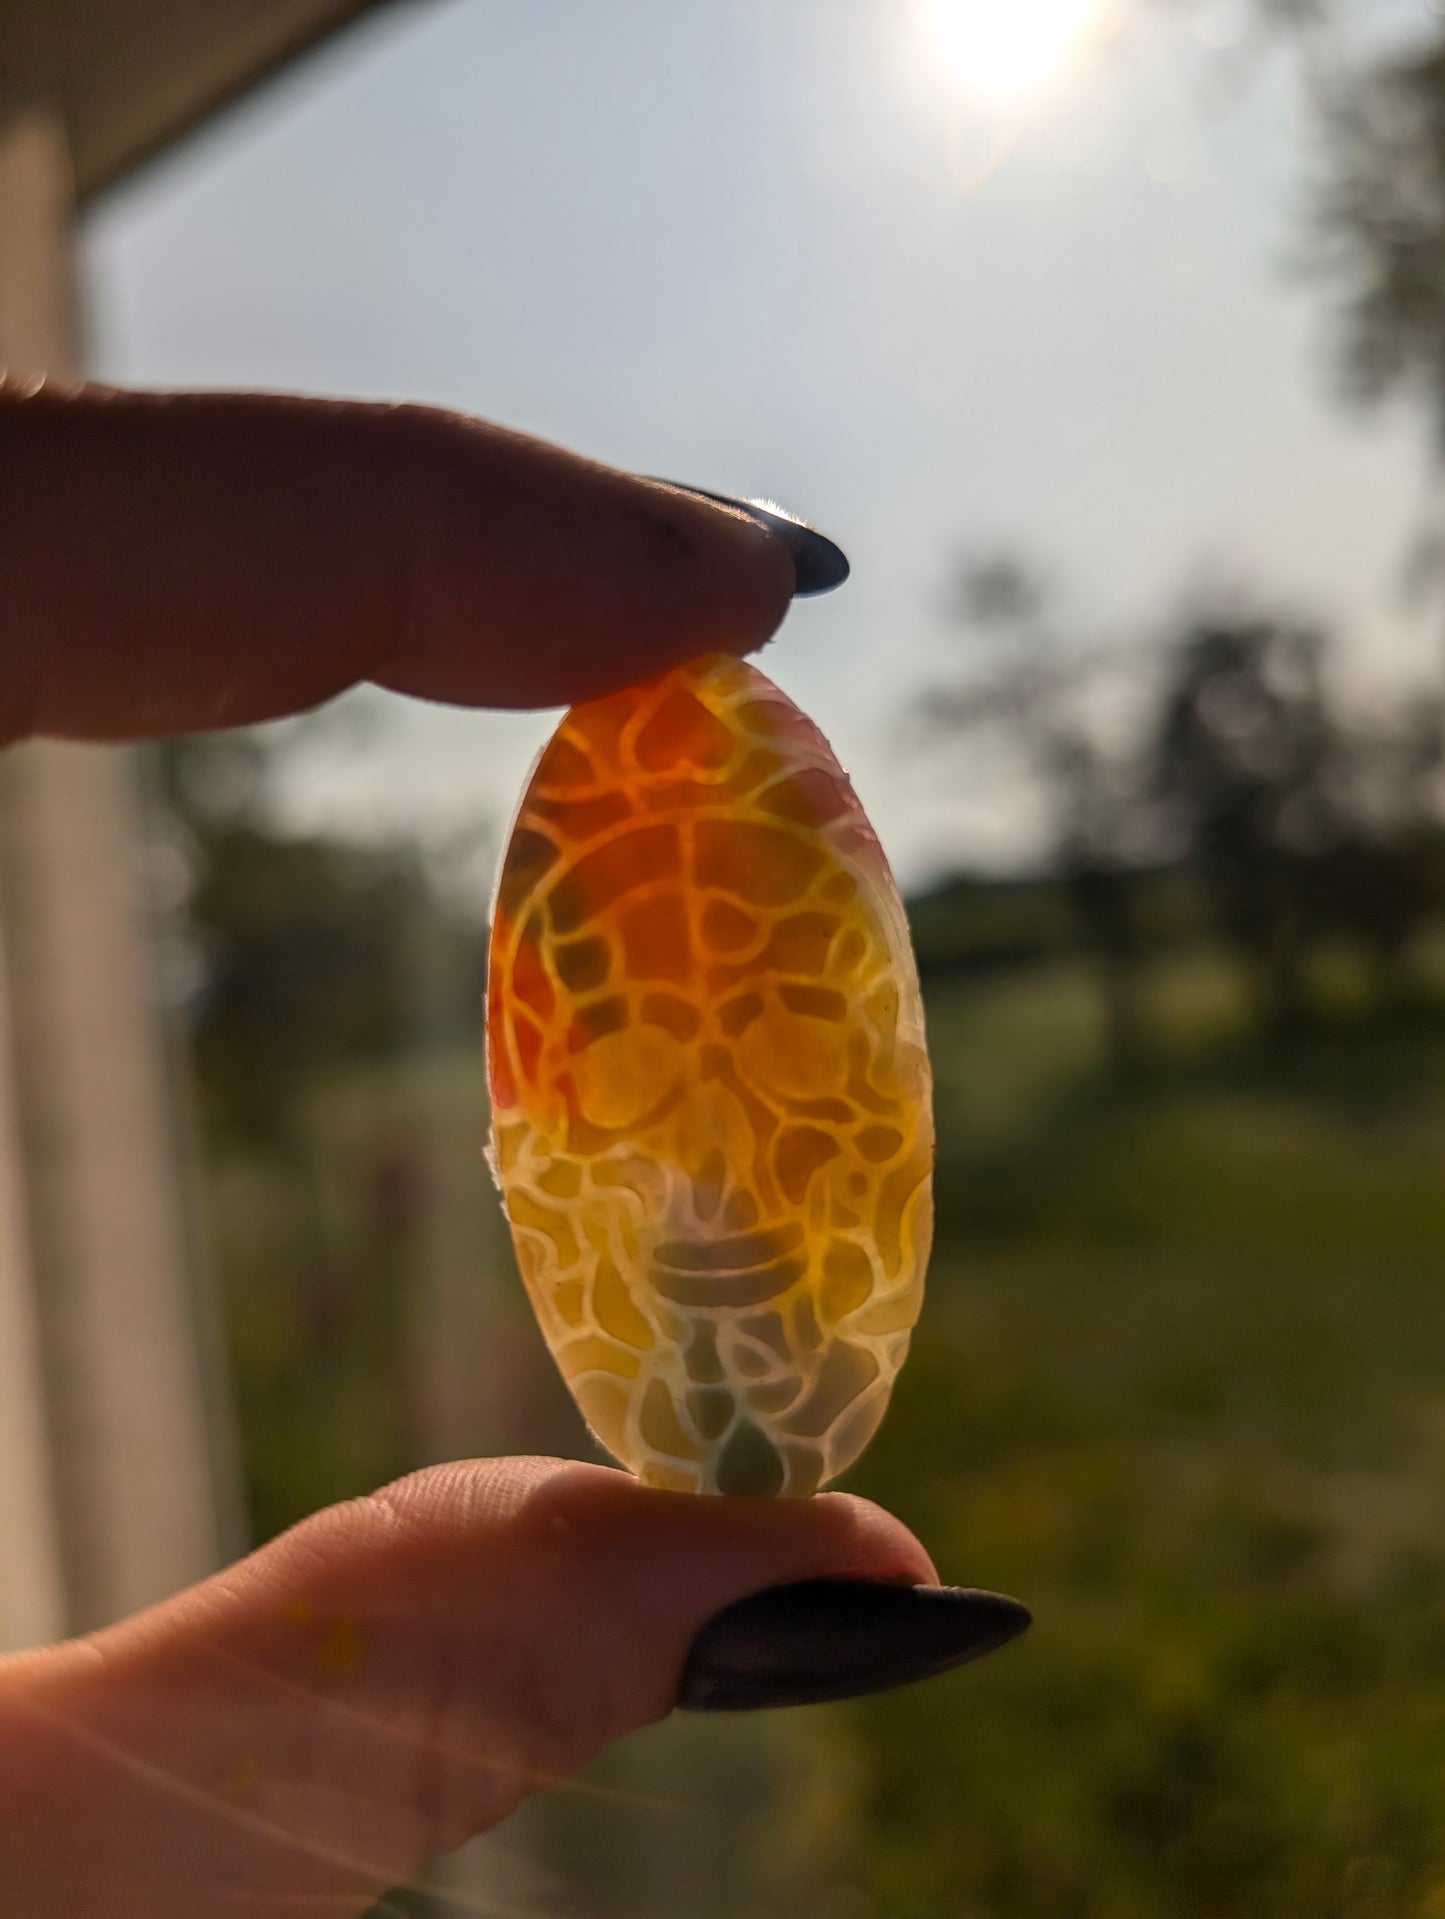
(711, 1098)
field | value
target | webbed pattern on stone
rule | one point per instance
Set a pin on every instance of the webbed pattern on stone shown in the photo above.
(711, 1098)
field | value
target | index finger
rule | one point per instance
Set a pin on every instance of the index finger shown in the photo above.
(178, 563)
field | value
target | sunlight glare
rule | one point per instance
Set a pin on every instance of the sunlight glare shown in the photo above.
(1007, 47)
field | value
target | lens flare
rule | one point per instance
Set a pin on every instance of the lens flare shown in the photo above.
(1007, 47)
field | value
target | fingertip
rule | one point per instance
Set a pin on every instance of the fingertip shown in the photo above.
(886, 1540)
(714, 1550)
(819, 564)
(571, 579)
(747, 577)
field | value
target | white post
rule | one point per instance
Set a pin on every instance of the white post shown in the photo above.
(108, 1365)
(32, 1587)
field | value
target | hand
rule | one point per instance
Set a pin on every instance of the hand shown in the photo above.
(394, 1675)
(174, 564)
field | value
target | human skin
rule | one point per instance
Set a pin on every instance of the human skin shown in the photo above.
(395, 1674)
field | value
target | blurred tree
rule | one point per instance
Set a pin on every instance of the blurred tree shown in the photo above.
(1034, 693)
(297, 953)
(1221, 779)
(1379, 226)
(1379, 230)
(1306, 823)
(1240, 758)
(318, 981)
(1384, 876)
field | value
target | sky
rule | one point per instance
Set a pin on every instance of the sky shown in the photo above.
(812, 250)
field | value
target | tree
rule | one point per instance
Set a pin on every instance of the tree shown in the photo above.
(302, 953)
(1379, 227)
(1243, 740)
(1034, 691)
(1384, 875)
(1305, 824)
(317, 982)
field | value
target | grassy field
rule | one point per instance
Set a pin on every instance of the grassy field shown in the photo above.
(1180, 1385)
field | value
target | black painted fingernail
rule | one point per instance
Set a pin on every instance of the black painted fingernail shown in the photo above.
(818, 564)
(836, 1638)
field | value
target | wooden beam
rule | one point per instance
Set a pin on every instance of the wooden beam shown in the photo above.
(129, 77)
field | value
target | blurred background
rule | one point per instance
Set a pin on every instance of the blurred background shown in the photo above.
(1108, 337)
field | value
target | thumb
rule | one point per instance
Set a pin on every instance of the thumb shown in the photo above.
(387, 1679)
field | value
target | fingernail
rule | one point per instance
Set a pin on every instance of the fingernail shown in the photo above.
(818, 564)
(823, 1639)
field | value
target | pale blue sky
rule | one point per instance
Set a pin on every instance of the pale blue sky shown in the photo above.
(754, 244)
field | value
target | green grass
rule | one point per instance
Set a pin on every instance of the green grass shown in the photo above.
(1180, 1384)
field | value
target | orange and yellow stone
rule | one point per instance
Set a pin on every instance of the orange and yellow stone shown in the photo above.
(711, 1099)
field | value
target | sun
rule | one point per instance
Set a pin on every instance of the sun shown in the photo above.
(1007, 47)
